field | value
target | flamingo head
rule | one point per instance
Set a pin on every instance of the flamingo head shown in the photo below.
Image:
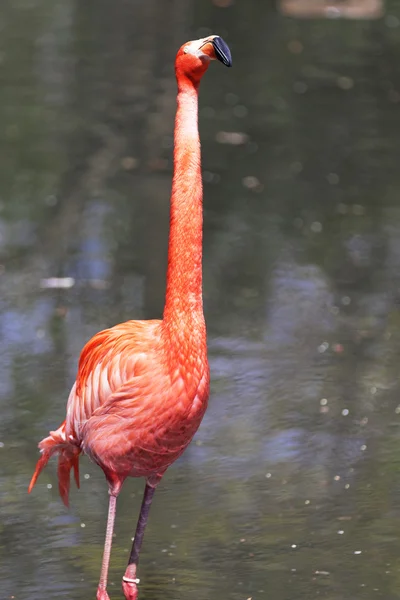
(194, 57)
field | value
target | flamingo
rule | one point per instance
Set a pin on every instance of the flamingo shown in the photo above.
(142, 386)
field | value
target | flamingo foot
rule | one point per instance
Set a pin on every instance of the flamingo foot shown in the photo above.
(129, 587)
(102, 594)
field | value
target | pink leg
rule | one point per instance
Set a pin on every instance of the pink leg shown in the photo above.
(102, 589)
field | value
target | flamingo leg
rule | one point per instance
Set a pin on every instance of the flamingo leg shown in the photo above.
(129, 581)
(102, 588)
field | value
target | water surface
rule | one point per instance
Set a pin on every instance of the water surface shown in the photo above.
(290, 489)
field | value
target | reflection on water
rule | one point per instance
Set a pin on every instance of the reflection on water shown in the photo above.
(291, 487)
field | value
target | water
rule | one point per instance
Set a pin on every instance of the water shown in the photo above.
(290, 489)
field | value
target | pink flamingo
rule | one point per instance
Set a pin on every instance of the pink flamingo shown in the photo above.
(142, 386)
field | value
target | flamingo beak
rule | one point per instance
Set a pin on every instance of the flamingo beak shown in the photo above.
(222, 51)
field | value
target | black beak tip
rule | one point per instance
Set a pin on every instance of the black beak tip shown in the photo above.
(222, 51)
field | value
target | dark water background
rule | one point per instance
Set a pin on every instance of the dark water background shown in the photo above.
(291, 489)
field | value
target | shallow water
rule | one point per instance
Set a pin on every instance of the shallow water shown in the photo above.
(291, 487)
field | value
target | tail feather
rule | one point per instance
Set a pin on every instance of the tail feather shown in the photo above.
(68, 459)
(41, 463)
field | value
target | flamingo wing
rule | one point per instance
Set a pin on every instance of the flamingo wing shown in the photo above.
(109, 360)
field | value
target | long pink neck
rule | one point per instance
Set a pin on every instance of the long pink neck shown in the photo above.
(184, 303)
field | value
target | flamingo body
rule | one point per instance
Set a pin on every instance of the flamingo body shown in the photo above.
(135, 405)
(141, 402)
